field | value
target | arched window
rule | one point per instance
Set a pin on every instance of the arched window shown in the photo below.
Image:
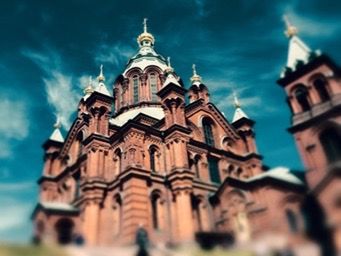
(208, 133)
(196, 204)
(136, 88)
(320, 86)
(292, 220)
(77, 183)
(301, 95)
(197, 159)
(331, 142)
(227, 143)
(230, 169)
(153, 86)
(122, 97)
(152, 158)
(155, 201)
(117, 161)
(117, 206)
(239, 172)
(214, 170)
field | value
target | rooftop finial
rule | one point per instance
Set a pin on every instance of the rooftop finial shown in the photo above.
(56, 134)
(101, 77)
(291, 30)
(194, 70)
(238, 113)
(169, 68)
(89, 89)
(236, 101)
(145, 25)
(195, 78)
(57, 124)
(145, 38)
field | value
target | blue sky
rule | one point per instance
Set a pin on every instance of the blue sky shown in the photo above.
(49, 49)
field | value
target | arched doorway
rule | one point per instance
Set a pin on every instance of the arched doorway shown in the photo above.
(64, 228)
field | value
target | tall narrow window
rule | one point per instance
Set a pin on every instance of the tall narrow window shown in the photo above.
(301, 95)
(196, 205)
(155, 214)
(118, 161)
(77, 186)
(196, 165)
(208, 133)
(117, 217)
(153, 86)
(136, 88)
(320, 86)
(152, 155)
(214, 170)
(331, 143)
(122, 97)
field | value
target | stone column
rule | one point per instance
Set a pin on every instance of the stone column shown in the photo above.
(185, 224)
(294, 105)
(91, 214)
(313, 95)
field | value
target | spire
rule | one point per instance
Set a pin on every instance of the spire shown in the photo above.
(236, 101)
(195, 79)
(170, 78)
(101, 77)
(145, 39)
(56, 134)
(57, 124)
(239, 113)
(169, 68)
(298, 50)
(291, 30)
(101, 88)
(145, 25)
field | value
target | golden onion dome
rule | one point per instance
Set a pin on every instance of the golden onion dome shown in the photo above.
(195, 78)
(146, 38)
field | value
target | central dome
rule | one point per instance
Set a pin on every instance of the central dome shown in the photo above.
(136, 89)
(146, 55)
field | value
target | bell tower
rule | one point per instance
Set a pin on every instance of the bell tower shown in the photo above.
(312, 83)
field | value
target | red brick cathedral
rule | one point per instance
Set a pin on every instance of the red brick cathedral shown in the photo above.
(143, 155)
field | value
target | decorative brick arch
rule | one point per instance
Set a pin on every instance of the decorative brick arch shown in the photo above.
(157, 209)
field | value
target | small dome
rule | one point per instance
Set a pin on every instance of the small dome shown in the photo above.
(146, 37)
(195, 79)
